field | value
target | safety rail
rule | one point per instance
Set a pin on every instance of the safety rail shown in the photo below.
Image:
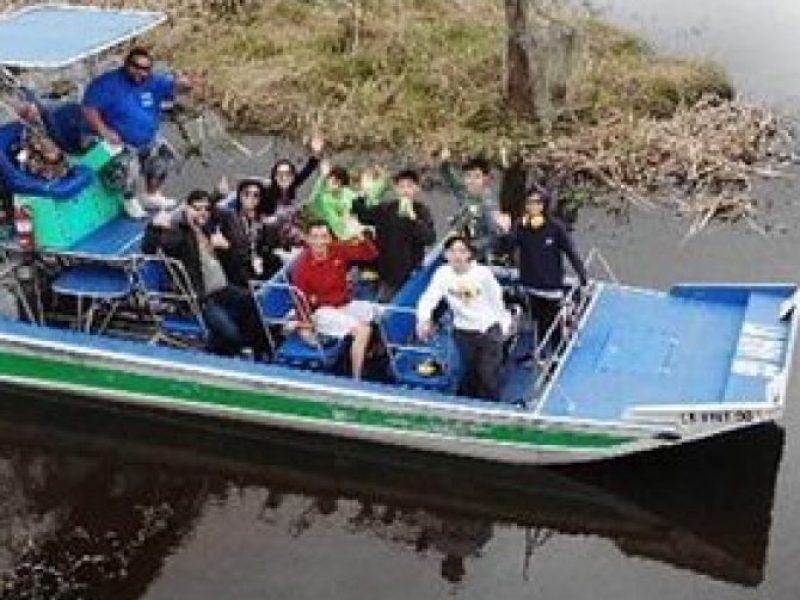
(575, 302)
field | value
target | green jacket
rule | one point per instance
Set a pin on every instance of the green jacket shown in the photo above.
(335, 209)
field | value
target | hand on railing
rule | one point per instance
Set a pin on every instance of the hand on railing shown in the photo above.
(425, 330)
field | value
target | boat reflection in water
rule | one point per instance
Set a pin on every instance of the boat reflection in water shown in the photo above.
(92, 503)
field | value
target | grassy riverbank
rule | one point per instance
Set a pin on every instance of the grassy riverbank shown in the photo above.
(415, 75)
(406, 74)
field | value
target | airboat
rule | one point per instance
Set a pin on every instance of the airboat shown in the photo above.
(634, 370)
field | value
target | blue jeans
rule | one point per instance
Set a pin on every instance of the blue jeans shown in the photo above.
(232, 320)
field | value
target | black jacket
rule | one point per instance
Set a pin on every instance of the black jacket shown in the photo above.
(275, 197)
(179, 242)
(237, 260)
(401, 241)
(541, 251)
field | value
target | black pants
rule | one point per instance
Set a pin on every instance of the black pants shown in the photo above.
(232, 319)
(544, 311)
(481, 362)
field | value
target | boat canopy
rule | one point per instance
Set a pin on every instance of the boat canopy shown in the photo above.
(53, 36)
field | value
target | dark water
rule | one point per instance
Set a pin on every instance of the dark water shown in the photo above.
(103, 505)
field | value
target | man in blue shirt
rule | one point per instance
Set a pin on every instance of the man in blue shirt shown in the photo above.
(123, 106)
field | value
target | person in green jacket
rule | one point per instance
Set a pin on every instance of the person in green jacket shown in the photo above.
(332, 202)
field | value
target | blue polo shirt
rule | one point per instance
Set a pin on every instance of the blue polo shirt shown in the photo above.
(131, 109)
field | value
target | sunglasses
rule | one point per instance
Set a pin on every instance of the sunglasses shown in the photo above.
(144, 68)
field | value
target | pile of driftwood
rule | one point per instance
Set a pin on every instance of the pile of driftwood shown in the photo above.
(702, 160)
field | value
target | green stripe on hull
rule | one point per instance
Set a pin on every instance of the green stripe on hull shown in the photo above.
(113, 380)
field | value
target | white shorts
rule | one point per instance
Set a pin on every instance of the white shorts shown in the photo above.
(338, 321)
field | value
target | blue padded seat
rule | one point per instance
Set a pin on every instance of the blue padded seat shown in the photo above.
(399, 329)
(101, 284)
(296, 353)
(155, 282)
(93, 280)
(18, 181)
(276, 305)
(65, 123)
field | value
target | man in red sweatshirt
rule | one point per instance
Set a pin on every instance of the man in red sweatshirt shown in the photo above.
(321, 274)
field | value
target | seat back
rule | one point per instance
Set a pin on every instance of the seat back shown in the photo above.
(283, 308)
(169, 295)
(398, 326)
(66, 125)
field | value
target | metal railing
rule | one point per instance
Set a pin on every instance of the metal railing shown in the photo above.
(567, 320)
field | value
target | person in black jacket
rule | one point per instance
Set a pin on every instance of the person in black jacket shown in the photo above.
(251, 234)
(542, 241)
(228, 310)
(280, 197)
(403, 227)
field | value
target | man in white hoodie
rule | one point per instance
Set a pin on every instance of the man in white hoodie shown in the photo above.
(480, 318)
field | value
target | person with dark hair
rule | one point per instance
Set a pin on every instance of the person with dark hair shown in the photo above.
(480, 319)
(542, 241)
(251, 235)
(332, 202)
(321, 274)
(124, 107)
(280, 198)
(477, 200)
(403, 227)
(228, 310)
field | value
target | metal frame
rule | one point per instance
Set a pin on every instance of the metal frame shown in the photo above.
(427, 349)
(84, 319)
(292, 319)
(181, 292)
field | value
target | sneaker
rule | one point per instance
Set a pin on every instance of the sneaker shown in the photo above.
(519, 404)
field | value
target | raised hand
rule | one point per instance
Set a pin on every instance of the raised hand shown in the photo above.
(317, 143)
(424, 330)
(502, 220)
(219, 241)
(325, 167)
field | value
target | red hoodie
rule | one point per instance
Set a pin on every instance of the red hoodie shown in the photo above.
(324, 281)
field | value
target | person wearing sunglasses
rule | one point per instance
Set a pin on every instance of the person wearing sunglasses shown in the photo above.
(124, 107)
(252, 236)
(280, 196)
(197, 241)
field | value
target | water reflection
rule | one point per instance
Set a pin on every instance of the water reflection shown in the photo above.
(92, 504)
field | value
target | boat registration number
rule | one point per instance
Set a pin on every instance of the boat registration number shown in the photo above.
(719, 416)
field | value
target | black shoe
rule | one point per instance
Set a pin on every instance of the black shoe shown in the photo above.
(526, 360)
(519, 404)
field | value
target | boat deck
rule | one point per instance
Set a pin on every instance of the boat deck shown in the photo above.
(693, 345)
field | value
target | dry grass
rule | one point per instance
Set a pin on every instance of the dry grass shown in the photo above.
(405, 73)
(412, 75)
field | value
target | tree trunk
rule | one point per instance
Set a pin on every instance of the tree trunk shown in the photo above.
(520, 86)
